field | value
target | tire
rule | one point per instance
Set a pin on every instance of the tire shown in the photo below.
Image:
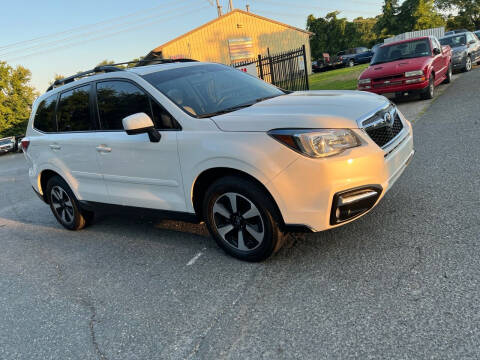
(242, 219)
(65, 206)
(429, 91)
(351, 63)
(448, 79)
(468, 64)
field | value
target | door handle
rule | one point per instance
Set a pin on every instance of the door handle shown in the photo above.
(103, 148)
(55, 147)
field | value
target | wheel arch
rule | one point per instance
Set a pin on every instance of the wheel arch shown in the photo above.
(208, 176)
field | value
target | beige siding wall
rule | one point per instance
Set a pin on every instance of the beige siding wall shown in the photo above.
(210, 43)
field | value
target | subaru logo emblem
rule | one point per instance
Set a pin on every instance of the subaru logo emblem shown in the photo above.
(388, 118)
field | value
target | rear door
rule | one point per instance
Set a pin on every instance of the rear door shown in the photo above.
(138, 172)
(74, 144)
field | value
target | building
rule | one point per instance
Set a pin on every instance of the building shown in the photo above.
(238, 35)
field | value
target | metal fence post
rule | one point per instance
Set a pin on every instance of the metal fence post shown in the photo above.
(272, 76)
(305, 66)
(260, 65)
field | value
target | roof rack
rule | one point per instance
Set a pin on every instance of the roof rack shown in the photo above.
(98, 69)
(113, 67)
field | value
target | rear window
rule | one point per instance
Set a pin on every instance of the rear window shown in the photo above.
(45, 115)
(74, 111)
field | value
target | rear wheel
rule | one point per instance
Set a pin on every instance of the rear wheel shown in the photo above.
(65, 206)
(351, 63)
(242, 219)
(429, 91)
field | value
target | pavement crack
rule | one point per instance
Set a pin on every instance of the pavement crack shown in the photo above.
(221, 314)
(91, 324)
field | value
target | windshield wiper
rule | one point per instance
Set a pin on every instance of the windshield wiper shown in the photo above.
(237, 107)
(227, 110)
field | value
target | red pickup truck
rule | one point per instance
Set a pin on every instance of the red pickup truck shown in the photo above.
(407, 66)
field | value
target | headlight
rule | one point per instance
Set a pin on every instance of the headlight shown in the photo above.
(414, 73)
(317, 143)
(364, 81)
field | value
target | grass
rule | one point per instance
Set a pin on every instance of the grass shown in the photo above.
(339, 79)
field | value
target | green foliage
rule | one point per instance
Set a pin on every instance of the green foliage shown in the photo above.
(333, 34)
(387, 24)
(16, 98)
(418, 15)
(467, 13)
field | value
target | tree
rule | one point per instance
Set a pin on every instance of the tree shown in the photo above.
(418, 15)
(387, 22)
(333, 34)
(467, 13)
(55, 78)
(16, 98)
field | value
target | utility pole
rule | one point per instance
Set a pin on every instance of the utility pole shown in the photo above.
(230, 4)
(219, 9)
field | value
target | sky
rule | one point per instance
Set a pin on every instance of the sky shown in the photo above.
(63, 37)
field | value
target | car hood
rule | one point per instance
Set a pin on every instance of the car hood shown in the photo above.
(305, 109)
(395, 67)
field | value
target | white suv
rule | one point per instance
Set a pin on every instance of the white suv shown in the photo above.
(209, 143)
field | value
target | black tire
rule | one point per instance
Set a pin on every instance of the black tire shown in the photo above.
(448, 79)
(248, 198)
(468, 64)
(64, 205)
(429, 91)
(351, 63)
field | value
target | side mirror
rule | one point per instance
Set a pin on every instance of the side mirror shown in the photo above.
(141, 123)
(437, 51)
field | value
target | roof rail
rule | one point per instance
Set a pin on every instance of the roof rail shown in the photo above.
(103, 68)
(112, 68)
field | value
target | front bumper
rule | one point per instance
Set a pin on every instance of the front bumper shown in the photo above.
(307, 191)
(402, 88)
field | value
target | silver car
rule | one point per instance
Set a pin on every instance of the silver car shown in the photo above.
(7, 144)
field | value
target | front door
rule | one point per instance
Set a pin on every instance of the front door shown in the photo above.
(136, 171)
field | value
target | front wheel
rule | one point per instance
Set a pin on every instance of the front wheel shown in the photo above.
(429, 91)
(351, 63)
(468, 64)
(242, 219)
(65, 206)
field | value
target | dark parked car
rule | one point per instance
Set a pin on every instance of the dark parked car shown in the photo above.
(7, 144)
(458, 31)
(358, 55)
(465, 50)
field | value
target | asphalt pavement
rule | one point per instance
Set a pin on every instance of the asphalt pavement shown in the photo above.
(403, 282)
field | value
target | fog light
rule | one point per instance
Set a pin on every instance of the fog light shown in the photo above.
(353, 203)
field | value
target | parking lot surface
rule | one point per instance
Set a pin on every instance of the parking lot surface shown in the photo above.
(403, 282)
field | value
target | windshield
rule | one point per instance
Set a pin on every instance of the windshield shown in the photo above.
(405, 50)
(211, 89)
(454, 41)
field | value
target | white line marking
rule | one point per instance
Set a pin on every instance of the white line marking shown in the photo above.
(195, 258)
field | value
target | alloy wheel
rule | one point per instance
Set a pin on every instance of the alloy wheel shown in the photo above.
(468, 64)
(62, 205)
(238, 221)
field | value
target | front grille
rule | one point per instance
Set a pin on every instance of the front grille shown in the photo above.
(387, 78)
(384, 134)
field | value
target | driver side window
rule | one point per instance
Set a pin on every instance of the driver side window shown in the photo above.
(119, 99)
